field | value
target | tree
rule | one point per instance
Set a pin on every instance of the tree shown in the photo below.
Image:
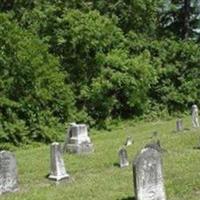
(34, 99)
(182, 18)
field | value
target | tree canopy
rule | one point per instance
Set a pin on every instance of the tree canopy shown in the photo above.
(94, 61)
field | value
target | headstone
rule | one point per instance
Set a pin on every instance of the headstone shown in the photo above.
(8, 172)
(123, 157)
(57, 171)
(179, 125)
(128, 141)
(195, 116)
(155, 145)
(77, 140)
(148, 177)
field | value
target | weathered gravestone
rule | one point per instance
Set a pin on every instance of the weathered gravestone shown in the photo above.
(195, 116)
(77, 140)
(179, 125)
(128, 141)
(8, 172)
(123, 158)
(57, 171)
(155, 145)
(148, 177)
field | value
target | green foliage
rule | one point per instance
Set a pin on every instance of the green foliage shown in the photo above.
(30, 85)
(122, 86)
(180, 18)
(136, 15)
(177, 65)
(94, 61)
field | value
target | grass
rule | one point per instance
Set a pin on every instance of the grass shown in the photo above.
(98, 177)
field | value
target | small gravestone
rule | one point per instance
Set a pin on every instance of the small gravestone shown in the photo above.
(123, 158)
(179, 125)
(155, 145)
(128, 141)
(8, 172)
(77, 140)
(57, 171)
(195, 116)
(148, 177)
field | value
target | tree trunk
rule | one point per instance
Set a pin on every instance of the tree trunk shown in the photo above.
(186, 19)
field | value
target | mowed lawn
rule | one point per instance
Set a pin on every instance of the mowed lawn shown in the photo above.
(98, 177)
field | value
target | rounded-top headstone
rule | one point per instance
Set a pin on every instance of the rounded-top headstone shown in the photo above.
(195, 116)
(8, 172)
(148, 177)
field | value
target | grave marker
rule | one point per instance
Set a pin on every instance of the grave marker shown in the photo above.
(57, 171)
(195, 116)
(123, 157)
(8, 172)
(179, 125)
(148, 177)
(77, 140)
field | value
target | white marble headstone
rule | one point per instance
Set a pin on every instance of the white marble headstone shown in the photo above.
(77, 140)
(8, 172)
(57, 166)
(195, 116)
(148, 176)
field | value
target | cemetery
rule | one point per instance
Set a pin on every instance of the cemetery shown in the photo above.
(46, 172)
(99, 100)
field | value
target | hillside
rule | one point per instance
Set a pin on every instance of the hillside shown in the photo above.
(97, 176)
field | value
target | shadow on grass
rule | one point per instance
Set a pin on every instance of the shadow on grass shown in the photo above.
(47, 176)
(116, 165)
(128, 198)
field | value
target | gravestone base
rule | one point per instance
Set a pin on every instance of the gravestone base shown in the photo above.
(124, 165)
(9, 191)
(58, 178)
(84, 147)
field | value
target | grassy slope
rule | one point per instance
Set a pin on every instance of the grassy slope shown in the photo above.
(96, 176)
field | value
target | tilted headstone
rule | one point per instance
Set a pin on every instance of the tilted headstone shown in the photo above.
(8, 172)
(77, 140)
(195, 116)
(179, 125)
(123, 158)
(148, 177)
(57, 171)
(128, 141)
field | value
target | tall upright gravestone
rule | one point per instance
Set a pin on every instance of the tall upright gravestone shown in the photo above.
(123, 158)
(148, 177)
(57, 166)
(77, 140)
(8, 172)
(195, 116)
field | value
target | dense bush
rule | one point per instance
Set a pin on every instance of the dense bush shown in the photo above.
(177, 64)
(91, 61)
(121, 88)
(32, 90)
